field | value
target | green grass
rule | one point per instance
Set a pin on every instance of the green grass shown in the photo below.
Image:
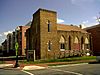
(60, 60)
(1, 62)
(69, 59)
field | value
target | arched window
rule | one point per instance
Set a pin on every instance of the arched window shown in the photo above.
(62, 43)
(49, 26)
(49, 46)
(76, 40)
(86, 43)
(69, 42)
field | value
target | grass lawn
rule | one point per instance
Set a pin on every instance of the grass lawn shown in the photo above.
(60, 60)
(1, 62)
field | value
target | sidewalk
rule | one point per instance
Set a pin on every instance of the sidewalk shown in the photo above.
(6, 66)
(10, 64)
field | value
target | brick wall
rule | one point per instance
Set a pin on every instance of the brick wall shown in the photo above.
(95, 33)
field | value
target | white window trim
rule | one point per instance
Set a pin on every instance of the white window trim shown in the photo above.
(62, 49)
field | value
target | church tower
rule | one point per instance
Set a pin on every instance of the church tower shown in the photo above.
(44, 33)
(48, 33)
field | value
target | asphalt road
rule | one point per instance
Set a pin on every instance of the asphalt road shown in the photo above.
(11, 72)
(83, 69)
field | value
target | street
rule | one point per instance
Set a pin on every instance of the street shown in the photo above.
(78, 69)
(11, 72)
(84, 69)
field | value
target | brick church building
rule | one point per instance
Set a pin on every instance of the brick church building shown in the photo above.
(50, 40)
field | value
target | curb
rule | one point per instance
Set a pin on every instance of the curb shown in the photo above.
(67, 65)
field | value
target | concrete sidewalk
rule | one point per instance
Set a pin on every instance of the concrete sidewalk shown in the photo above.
(33, 67)
(6, 65)
(28, 67)
(10, 65)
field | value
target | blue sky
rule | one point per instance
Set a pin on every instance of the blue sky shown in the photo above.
(19, 12)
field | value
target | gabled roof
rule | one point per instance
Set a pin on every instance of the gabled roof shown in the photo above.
(62, 27)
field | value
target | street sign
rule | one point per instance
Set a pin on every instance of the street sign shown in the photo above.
(16, 47)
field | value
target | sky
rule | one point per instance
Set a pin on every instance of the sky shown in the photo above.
(19, 12)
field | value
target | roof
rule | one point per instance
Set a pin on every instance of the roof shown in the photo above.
(28, 24)
(62, 27)
(41, 9)
(95, 26)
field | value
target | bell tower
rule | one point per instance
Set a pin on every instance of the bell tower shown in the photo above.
(48, 33)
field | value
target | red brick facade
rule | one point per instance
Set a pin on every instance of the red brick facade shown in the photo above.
(22, 39)
(95, 33)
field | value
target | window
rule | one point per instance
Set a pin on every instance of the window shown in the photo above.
(87, 46)
(86, 43)
(76, 40)
(49, 26)
(62, 46)
(62, 43)
(49, 46)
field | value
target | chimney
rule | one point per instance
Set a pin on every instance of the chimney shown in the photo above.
(80, 26)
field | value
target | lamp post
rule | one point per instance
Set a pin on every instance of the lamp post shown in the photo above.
(16, 47)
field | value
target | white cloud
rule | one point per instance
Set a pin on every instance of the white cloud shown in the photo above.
(6, 33)
(2, 38)
(95, 17)
(0, 34)
(84, 22)
(92, 24)
(60, 20)
(89, 24)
